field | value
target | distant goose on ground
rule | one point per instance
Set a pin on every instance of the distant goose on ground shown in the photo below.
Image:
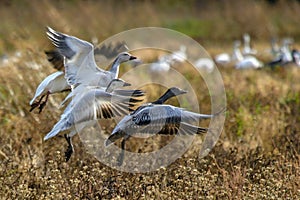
(236, 54)
(96, 104)
(225, 58)
(157, 118)
(162, 65)
(179, 56)
(249, 62)
(205, 64)
(296, 57)
(285, 50)
(80, 64)
(245, 62)
(275, 50)
(284, 56)
(247, 50)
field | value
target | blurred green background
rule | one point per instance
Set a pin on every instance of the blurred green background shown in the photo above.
(209, 22)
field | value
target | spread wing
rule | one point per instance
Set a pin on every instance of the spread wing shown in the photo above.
(95, 104)
(98, 104)
(158, 119)
(56, 59)
(108, 50)
(182, 129)
(153, 129)
(78, 55)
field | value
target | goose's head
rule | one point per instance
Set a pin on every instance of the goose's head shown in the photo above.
(124, 57)
(246, 37)
(116, 83)
(236, 44)
(171, 92)
(176, 91)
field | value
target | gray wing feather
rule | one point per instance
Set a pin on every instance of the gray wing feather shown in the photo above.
(79, 58)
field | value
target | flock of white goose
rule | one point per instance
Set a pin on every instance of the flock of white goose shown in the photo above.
(246, 58)
(96, 94)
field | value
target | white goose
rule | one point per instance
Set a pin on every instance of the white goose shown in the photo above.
(80, 65)
(236, 53)
(105, 75)
(247, 50)
(54, 83)
(225, 58)
(296, 57)
(245, 62)
(285, 56)
(95, 104)
(162, 65)
(179, 56)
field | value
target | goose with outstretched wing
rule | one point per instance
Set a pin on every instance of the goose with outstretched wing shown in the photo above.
(157, 118)
(56, 82)
(96, 104)
(79, 61)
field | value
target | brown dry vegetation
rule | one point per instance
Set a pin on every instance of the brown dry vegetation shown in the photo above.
(257, 156)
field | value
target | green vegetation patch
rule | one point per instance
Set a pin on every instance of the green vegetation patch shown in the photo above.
(191, 26)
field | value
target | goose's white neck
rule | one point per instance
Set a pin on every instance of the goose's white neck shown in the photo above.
(115, 67)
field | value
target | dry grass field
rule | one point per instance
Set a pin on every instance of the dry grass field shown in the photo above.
(256, 157)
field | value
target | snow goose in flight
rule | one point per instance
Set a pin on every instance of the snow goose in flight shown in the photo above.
(157, 118)
(107, 77)
(96, 104)
(54, 83)
(79, 61)
(171, 92)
